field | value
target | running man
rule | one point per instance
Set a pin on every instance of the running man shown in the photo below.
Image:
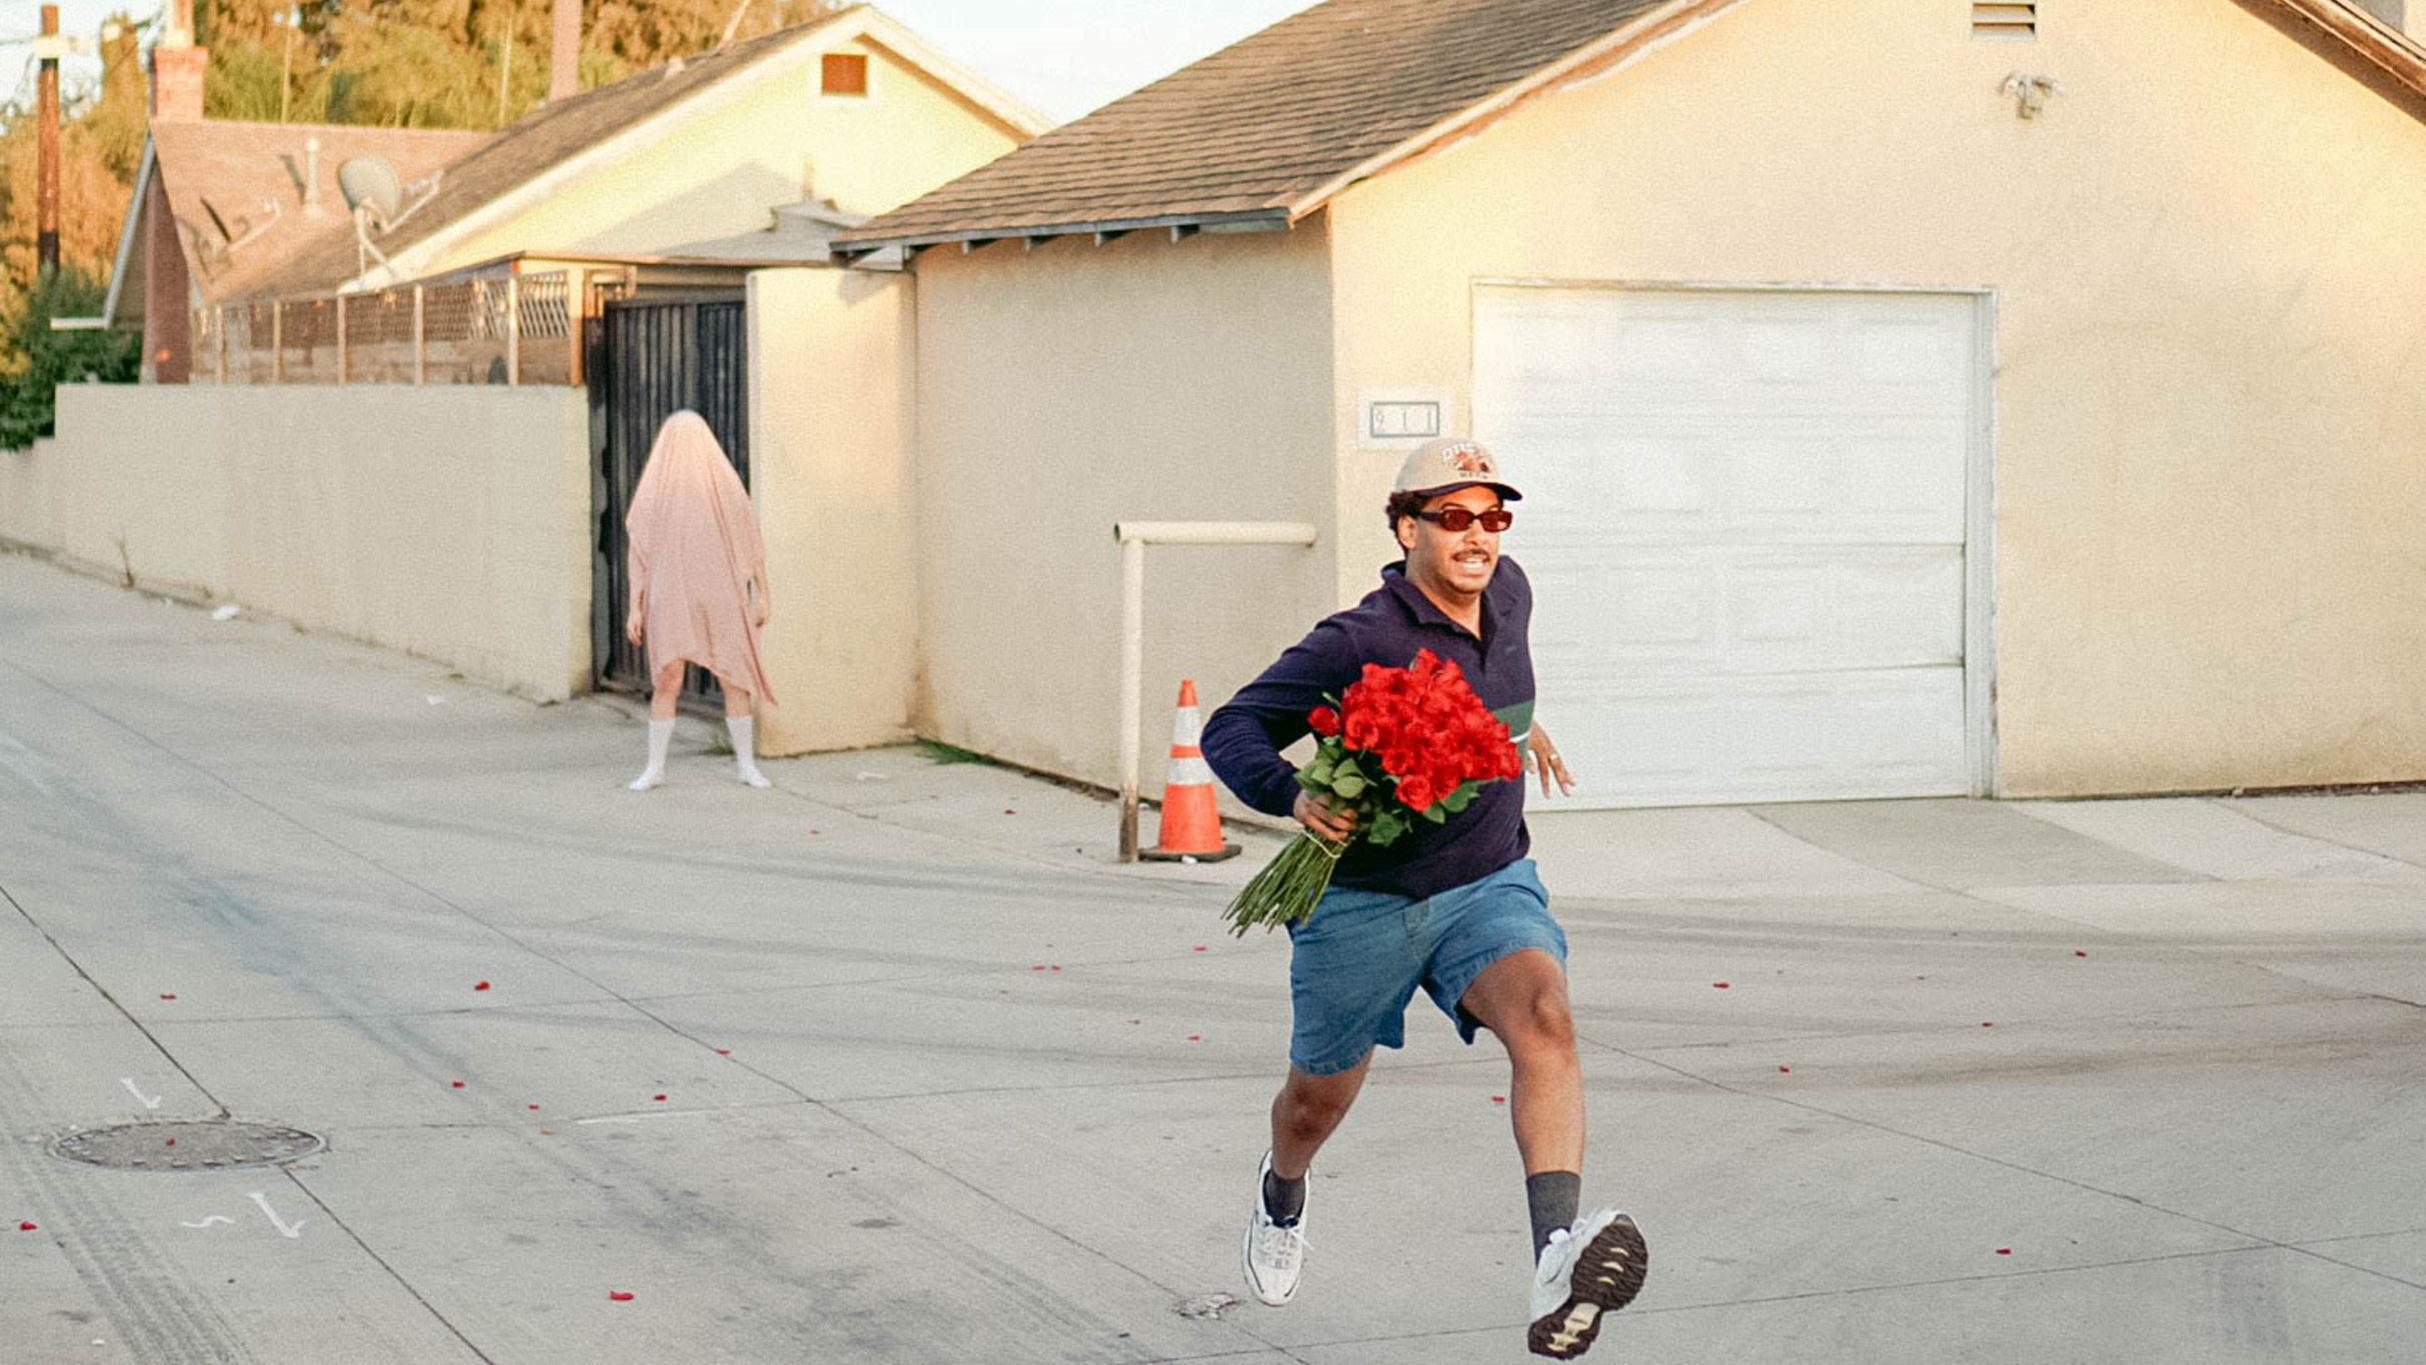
(1453, 908)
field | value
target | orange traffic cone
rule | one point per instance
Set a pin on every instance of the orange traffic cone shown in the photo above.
(1191, 827)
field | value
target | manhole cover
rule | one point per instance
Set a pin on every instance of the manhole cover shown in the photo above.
(187, 1145)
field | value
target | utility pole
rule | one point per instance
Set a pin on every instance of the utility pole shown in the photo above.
(564, 51)
(46, 238)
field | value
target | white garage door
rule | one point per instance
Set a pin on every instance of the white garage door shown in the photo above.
(1745, 520)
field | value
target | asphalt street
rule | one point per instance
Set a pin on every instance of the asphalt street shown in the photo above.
(893, 1063)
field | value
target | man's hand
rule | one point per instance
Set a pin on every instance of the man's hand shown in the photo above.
(631, 629)
(1322, 821)
(1547, 764)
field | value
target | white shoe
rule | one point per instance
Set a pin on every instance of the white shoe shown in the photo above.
(1593, 1268)
(647, 781)
(1275, 1254)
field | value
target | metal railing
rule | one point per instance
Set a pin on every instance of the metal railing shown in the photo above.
(512, 329)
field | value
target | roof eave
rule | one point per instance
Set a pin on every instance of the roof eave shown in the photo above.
(2390, 51)
(126, 230)
(848, 249)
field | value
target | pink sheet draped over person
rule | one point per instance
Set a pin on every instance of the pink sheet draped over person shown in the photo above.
(699, 587)
(695, 553)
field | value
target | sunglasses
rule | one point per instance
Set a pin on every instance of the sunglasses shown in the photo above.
(1455, 519)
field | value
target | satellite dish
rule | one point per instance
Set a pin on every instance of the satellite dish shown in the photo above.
(371, 183)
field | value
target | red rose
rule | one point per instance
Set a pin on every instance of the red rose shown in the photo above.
(1323, 721)
(1361, 730)
(1416, 792)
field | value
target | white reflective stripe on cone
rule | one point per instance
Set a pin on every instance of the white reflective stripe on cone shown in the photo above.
(1187, 727)
(1188, 772)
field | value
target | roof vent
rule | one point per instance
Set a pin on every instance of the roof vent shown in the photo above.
(2005, 20)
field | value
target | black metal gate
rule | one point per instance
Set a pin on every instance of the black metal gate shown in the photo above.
(647, 359)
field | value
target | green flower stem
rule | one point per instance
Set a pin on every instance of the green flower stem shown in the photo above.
(1289, 888)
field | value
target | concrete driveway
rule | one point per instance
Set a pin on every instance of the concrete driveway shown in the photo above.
(892, 1064)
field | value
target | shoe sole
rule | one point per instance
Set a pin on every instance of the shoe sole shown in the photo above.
(1607, 1277)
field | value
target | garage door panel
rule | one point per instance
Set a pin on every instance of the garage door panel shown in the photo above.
(1771, 739)
(1746, 526)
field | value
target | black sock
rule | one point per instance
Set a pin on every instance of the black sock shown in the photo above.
(1553, 1195)
(1283, 1199)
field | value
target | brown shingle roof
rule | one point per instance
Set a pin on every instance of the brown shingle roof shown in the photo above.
(1257, 127)
(222, 179)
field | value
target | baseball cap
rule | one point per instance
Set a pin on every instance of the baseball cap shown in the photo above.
(1448, 462)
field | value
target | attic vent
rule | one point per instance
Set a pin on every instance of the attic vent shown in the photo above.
(844, 73)
(2008, 20)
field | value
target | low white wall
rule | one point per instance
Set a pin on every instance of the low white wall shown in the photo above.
(450, 522)
(830, 440)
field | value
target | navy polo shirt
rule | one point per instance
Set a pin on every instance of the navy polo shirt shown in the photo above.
(1244, 738)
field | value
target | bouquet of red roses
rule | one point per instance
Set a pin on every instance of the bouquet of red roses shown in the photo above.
(1404, 744)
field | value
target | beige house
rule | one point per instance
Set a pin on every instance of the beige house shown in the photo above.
(345, 466)
(855, 113)
(1914, 397)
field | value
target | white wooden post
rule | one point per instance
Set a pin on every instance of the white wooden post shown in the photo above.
(1134, 536)
(513, 329)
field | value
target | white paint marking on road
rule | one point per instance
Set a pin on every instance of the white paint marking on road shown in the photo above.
(285, 1228)
(214, 1218)
(652, 1114)
(149, 1101)
(20, 760)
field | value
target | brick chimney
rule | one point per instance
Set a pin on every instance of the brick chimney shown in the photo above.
(177, 67)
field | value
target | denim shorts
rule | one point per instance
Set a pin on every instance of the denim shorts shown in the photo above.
(1356, 961)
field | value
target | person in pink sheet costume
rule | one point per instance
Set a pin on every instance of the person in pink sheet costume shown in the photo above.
(699, 586)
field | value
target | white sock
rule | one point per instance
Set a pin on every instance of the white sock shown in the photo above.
(745, 754)
(661, 734)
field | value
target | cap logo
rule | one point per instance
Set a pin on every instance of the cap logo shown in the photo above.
(1467, 458)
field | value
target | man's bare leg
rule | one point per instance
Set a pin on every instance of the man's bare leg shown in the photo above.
(1307, 1111)
(1522, 999)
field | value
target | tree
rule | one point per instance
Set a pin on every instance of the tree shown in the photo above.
(35, 359)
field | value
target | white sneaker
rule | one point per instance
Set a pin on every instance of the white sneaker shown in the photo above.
(1275, 1254)
(1595, 1267)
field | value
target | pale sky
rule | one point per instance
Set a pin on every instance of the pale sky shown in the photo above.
(1063, 56)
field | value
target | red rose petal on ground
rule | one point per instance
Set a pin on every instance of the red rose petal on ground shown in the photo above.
(172, 1142)
(1499, 1099)
(2004, 1251)
(1196, 1037)
(1987, 1023)
(1718, 985)
(1200, 947)
(1785, 1071)
(26, 1227)
(1037, 968)
(1010, 812)
(481, 986)
(724, 1052)
(534, 1106)
(168, 995)
(661, 1097)
(618, 1296)
(1057, 966)
(458, 1085)
(2078, 953)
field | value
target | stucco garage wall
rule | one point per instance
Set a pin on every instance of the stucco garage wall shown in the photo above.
(451, 522)
(830, 430)
(1067, 388)
(2210, 453)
